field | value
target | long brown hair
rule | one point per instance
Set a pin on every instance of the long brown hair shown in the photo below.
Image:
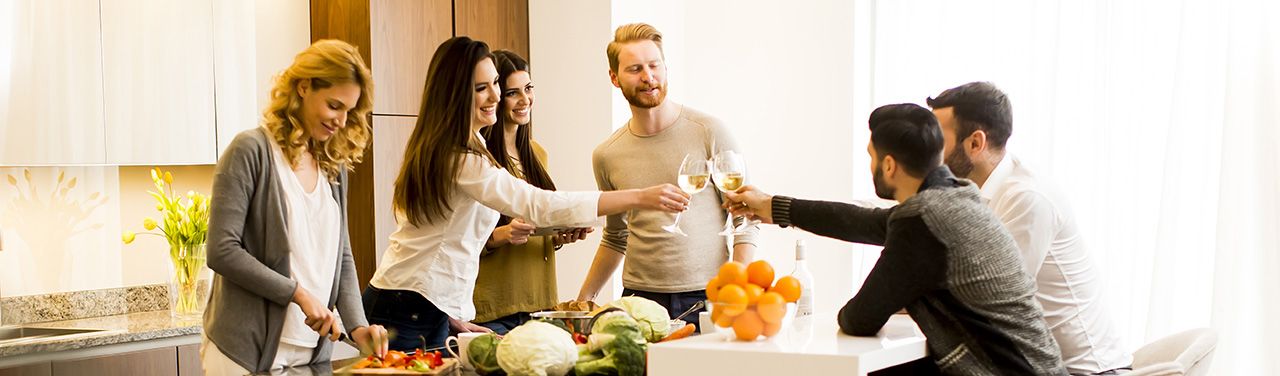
(442, 136)
(534, 172)
(325, 63)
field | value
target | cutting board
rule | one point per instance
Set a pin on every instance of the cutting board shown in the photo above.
(449, 365)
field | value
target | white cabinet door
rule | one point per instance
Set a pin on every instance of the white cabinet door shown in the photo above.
(50, 83)
(158, 81)
(253, 42)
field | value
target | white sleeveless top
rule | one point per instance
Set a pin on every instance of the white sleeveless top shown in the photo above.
(313, 221)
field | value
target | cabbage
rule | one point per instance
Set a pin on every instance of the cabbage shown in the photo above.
(483, 354)
(537, 348)
(655, 322)
(614, 324)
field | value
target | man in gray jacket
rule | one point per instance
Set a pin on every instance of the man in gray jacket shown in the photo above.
(946, 258)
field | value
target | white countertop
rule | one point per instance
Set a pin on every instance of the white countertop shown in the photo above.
(812, 344)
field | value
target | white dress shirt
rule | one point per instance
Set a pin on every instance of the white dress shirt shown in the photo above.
(1068, 287)
(314, 224)
(440, 259)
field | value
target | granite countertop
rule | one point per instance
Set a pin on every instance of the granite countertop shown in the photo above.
(125, 328)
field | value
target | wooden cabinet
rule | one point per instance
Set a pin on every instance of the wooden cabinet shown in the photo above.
(391, 134)
(404, 35)
(37, 369)
(158, 362)
(189, 360)
(157, 62)
(503, 24)
(51, 84)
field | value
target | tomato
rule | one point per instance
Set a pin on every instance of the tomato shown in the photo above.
(393, 359)
(437, 359)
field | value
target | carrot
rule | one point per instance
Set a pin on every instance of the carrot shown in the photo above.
(684, 331)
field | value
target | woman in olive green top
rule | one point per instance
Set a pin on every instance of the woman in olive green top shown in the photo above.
(517, 270)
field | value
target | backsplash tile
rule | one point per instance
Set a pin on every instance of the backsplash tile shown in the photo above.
(84, 304)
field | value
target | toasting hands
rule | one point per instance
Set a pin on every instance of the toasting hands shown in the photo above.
(750, 202)
(665, 197)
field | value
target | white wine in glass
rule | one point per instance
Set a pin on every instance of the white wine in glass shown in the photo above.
(730, 174)
(692, 184)
(693, 176)
(729, 181)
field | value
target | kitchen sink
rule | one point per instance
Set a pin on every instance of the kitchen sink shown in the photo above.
(14, 334)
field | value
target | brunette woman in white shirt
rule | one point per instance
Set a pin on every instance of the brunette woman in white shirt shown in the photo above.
(450, 194)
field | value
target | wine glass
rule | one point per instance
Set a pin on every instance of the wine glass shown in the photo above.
(693, 179)
(730, 171)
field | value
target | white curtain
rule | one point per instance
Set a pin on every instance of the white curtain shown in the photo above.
(1160, 121)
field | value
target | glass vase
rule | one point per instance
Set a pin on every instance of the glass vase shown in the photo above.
(189, 287)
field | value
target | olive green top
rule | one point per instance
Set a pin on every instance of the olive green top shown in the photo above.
(517, 278)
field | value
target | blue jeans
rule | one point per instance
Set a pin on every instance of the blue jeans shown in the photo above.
(675, 303)
(411, 319)
(504, 324)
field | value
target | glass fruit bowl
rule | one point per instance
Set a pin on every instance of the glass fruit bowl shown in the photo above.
(752, 321)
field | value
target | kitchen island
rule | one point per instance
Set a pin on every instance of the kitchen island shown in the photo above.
(811, 345)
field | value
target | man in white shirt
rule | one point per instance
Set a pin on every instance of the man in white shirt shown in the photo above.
(977, 120)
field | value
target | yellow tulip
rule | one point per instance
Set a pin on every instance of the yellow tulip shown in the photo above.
(128, 237)
(155, 174)
(168, 177)
(149, 224)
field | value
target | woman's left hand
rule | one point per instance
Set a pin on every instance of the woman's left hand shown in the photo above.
(372, 339)
(570, 236)
(459, 326)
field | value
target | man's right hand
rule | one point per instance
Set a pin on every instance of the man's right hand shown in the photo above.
(750, 202)
(319, 317)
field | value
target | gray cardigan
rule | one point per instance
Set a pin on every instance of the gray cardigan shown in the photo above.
(249, 249)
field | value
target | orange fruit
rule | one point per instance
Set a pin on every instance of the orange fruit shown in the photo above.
(748, 326)
(760, 273)
(771, 307)
(724, 321)
(732, 273)
(753, 293)
(788, 287)
(771, 328)
(713, 286)
(733, 300)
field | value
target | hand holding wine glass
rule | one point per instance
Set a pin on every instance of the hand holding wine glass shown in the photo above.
(693, 176)
(730, 174)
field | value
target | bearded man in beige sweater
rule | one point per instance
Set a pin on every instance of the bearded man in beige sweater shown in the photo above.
(668, 268)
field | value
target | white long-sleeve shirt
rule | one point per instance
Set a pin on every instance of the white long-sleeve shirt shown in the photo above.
(1068, 286)
(440, 259)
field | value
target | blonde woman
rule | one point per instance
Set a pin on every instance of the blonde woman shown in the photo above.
(278, 227)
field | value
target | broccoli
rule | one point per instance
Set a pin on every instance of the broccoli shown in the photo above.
(585, 354)
(621, 357)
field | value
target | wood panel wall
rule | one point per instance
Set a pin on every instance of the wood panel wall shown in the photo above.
(503, 24)
(348, 20)
(405, 35)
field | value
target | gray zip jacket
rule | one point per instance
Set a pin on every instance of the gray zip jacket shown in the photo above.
(249, 250)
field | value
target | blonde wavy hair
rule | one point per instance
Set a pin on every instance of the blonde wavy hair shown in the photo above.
(632, 32)
(325, 63)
